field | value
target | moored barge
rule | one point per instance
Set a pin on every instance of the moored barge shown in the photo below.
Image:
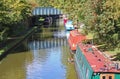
(74, 38)
(69, 25)
(90, 63)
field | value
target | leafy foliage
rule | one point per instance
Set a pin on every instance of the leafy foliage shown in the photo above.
(12, 12)
(101, 17)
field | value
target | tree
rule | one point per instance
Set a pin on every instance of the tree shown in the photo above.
(12, 12)
(101, 17)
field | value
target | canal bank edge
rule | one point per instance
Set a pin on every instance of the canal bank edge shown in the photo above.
(5, 50)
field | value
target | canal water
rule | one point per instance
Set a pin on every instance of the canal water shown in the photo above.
(39, 59)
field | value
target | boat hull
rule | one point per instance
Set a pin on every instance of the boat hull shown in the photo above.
(77, 68)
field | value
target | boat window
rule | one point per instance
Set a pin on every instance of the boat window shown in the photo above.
(87, 73)
(82, 64)
(80, 59)
(110, 77)
(106, 76)
(83, 67)
(103, 77)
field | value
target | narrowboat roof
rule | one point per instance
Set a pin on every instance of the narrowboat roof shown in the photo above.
(74, 38)
(77, 36)
(76, 33)
(97, 60)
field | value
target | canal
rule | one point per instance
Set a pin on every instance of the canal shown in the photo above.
(39, 59)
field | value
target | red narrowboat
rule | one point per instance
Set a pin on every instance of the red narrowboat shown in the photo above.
(75, 37)
(91, 63)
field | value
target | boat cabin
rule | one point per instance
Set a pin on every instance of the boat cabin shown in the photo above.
(91, 63)
(74, 38)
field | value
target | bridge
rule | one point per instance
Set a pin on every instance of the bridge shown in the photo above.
(45, 16)
(46, 11)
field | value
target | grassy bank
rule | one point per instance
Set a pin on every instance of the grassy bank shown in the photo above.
(114, 54)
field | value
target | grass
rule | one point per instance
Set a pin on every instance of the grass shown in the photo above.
(1, 51)
(114, 55)
(90, 36)
(114, 52)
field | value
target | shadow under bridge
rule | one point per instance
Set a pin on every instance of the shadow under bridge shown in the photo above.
(46, 16)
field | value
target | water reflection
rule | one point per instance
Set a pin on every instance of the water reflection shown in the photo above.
(39, 63)
(13, 67)
(45, 62)
(47, 43)
(67, 34)
(46, 65)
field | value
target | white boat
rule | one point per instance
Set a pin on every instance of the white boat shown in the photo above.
(69, 26)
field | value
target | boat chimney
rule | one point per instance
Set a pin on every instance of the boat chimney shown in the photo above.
(117, 66)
